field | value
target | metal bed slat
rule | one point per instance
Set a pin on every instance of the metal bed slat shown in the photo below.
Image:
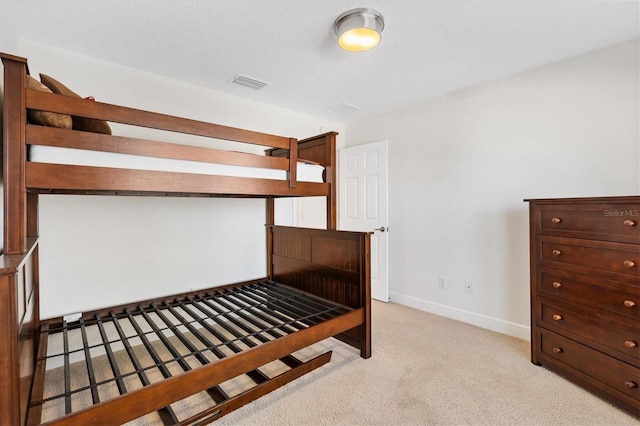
(256, 375)
(256, 323)
(95, 396)
(224, 300)
(288, 294)
(207, 343)
(291, 320)
(167, 415)
(212, 314)
(302, 309)
(167, 344)
(288, 309)
(259, 311)
(197, 353)
(284, 320)
(255, 307)
(217, 396)
(318, 303)
(112, 360)
(132, 356)
(281, 302)
(207, 326)
(225, 324)
(215, 393)
(149, 347)
(255, 333)
(67, 372)
(289, 360)
(305, 304)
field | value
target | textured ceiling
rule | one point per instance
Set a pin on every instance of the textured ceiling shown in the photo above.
(428, 48)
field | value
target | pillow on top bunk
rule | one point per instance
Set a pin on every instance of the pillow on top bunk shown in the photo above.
(79, 123)
(45, 118)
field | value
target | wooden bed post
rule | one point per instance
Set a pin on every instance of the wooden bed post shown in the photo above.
(293, 162)
(19, 276)
(270, 221)
(14, 155)
(331, 167)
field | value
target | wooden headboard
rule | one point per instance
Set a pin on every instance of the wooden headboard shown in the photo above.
(332, 264)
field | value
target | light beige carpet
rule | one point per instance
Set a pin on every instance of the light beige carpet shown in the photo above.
(429, 370)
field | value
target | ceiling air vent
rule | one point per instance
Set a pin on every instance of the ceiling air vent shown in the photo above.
(342, 109)
(245, 81)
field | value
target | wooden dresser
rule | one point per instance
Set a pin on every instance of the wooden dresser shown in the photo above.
(585, 293)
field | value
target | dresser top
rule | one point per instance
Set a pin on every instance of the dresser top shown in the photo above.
(608, 199)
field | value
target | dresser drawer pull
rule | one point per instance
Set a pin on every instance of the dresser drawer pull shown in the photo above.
(629, 303)
(557, 350)
(556, 284)
(556, 220)
(630, 344)
(629, 223)
(631, 385)
(556, 317)
(556, 252)
(629, 263)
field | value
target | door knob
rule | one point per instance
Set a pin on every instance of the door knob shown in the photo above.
(381, 229)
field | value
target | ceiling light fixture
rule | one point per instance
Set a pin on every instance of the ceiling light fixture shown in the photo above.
(359, 29)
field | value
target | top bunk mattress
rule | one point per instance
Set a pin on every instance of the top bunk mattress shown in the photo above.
(306, 171)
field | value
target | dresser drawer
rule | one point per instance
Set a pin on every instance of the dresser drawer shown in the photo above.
(615, 337)
(614, 374)
(603, 221)
(610, 258)
(589, 289)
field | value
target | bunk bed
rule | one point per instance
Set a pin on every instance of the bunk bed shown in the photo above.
(163, 352)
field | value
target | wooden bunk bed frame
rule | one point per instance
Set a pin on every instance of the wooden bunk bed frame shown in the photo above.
(318, 282)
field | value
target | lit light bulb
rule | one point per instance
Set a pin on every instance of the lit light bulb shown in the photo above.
(359, 39)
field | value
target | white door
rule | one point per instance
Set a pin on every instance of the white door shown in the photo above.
(364, 205)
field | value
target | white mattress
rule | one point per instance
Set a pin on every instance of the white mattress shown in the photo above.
(307, 172)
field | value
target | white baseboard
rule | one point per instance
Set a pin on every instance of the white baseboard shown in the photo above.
(495, 324)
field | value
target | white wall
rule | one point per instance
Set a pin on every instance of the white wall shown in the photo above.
(8, 44)
(99, 251)
(8, 36)
(461, 165)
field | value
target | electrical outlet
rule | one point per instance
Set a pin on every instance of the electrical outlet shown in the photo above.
(442, 283)
(468, 286)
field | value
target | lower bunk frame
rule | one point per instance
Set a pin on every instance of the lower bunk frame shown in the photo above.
(211, 336)
(172, 339)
